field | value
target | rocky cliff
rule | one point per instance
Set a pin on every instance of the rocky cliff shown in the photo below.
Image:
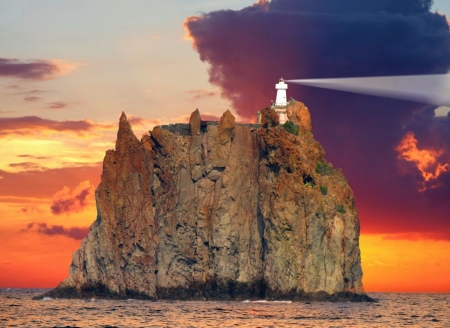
(220, 211)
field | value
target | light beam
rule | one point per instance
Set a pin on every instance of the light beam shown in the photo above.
(427, 89)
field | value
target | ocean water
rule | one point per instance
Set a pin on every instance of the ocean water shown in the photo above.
(17, 309)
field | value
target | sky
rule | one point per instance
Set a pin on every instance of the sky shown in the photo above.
(68, 68)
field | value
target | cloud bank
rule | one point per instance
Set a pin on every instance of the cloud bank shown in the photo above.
(76, 233)
(43, 183)
(66, 201)
(250, 49)
(27, 125)
(40, 70)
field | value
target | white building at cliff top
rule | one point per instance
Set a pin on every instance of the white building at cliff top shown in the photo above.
(280, 103)
(281, 93)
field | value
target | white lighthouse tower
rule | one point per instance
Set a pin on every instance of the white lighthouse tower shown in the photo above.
(281, 101)
(281, 93)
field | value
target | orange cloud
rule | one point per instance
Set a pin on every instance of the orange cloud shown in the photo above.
(31, 209)
(263, 4)
(34, 157)
(29, 166)
(188, 36)
(65, 67)
(65, 201)
(426, 160)
(42, 184)
(26, 199)
(29, 125)
(141, 125)
(142, 122)
(43, 228)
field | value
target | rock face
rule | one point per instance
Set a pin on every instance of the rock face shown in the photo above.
(223, 211)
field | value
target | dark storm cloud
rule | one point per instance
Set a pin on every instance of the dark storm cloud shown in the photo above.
(248, 51)
(76, 233)
(30, 70)
(353, 6)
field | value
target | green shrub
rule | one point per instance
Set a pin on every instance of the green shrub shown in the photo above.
(341, 209)
(324, 168)
(292, 128)
(323, 190)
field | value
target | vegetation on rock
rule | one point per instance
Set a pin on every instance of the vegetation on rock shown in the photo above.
(324, 168)
(341, 209)
(291, 127)
(324, 190)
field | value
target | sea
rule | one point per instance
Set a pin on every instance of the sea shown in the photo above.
(18, 309)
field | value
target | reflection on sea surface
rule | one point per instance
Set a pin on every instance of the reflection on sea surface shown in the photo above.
(393, 310)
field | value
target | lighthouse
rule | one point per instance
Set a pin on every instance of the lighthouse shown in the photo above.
(281, 102)
(281, 93)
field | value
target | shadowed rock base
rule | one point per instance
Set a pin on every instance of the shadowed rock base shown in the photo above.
(211, 290)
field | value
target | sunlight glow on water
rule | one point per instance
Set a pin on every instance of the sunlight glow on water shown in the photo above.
(393, 310)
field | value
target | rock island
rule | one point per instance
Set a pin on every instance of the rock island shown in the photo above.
(219, 210)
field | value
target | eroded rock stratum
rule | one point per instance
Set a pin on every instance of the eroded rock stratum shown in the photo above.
(220, 211)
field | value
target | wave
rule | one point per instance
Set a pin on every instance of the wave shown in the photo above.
(266, 301)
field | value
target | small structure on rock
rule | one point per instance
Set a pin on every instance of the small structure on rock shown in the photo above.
(280, 103)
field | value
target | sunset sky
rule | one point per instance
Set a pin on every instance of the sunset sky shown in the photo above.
(68, 68)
